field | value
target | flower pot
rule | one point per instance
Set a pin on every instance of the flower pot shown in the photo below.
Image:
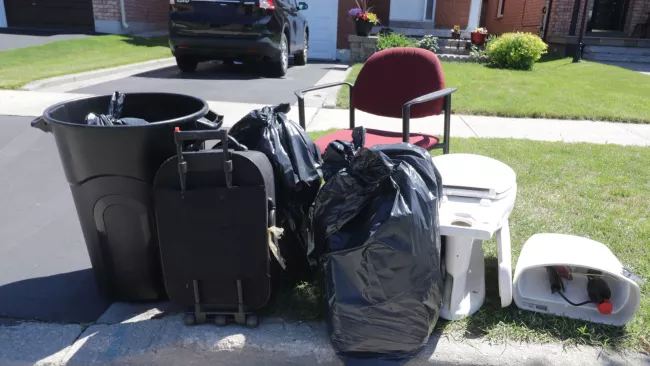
(363, 27)
(479, 38)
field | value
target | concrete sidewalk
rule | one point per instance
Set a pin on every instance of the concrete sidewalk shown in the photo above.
(127, 338)
(29, 103)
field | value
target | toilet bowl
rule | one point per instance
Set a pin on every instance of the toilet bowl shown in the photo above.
(478, 196)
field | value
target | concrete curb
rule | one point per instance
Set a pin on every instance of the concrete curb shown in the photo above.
(166, 341)
(330, 100)
(89, 75)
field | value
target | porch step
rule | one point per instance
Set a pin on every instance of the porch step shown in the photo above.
(411, 24)
(414, 32)
(619, 54)
(453, 50)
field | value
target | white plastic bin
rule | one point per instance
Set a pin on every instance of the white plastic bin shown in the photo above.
(531, 287)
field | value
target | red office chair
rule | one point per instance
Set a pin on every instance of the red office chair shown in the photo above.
(398, 83)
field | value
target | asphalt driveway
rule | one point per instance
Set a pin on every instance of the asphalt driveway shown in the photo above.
(44, 266)
(19, 39)
(214, 81)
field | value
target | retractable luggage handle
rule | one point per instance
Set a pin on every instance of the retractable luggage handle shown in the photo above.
(201, 136)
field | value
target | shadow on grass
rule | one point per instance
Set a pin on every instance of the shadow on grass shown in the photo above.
(298, 301)
(157, 41)
(511, 323)
(305, 302)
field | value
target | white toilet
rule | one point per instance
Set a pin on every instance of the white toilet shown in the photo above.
(478, 196)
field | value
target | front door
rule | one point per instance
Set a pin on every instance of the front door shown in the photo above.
(409, 10)
(608, 15)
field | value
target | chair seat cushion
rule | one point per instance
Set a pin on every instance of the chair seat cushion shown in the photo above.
(377, 137)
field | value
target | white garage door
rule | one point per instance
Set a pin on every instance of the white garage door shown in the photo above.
(322, 16)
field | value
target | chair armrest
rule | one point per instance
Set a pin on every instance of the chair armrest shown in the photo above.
(429, 97)
(301, 99)
(300, 93)
(406, 111)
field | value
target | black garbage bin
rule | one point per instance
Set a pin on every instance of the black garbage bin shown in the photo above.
(111, 170)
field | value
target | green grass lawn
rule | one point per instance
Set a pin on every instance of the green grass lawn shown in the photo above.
(554, 89)
(597, 191)
(20, 66)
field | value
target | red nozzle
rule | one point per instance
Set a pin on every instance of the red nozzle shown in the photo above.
(177, 129)
(605, 307)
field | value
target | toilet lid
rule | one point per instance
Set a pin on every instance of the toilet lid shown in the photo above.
(469, 175)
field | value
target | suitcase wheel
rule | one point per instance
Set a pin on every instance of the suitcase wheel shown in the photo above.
(252, 321)
(220, 320)
(189, 319)
(200, 318)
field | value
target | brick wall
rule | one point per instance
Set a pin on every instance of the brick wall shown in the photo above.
(560, 17)
(518, 15)
(562, 12)
(637, 14)
(146, 11)
(106, 9)
(452, 12)
(346, 25)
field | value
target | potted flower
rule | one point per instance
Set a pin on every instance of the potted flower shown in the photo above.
(479, 36)
(363, 18)
(455, 32)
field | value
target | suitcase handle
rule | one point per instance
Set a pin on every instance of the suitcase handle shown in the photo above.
(204, 135)
(201, 136)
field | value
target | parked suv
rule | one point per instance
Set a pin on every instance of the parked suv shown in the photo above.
(238, 30)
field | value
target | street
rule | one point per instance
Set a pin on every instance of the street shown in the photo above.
(214, 81)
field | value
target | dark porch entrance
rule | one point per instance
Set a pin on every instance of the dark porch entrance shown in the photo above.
(608, 16)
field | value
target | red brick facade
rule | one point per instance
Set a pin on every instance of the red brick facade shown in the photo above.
(526, 15)
(637, 14)
(106, 9)
(346, 25)
(146, 11)
(518, 15)
(562, 13)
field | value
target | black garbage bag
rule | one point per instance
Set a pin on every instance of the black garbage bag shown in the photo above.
(376, 225)
(296, 164)
(114, 113)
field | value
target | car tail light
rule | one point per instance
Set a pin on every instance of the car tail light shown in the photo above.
(267, 4)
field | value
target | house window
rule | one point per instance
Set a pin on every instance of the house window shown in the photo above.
(501, 8)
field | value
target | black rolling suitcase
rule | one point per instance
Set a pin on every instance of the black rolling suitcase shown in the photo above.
(213, 210)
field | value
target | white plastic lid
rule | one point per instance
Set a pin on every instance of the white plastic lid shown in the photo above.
(471, 175)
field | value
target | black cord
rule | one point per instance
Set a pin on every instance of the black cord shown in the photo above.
(569, 301)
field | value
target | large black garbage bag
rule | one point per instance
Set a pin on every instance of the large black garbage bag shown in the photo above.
(376, 225)
(296, 164)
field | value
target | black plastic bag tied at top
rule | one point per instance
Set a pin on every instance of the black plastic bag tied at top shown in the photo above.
(377, 234)
(296, 164)
(115, 107)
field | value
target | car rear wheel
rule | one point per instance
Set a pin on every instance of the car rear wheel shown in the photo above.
(301, 58)
(280, 65)
(186, 64)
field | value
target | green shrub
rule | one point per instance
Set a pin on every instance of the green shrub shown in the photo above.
(393, 40)
(429, 42)
(517, 51)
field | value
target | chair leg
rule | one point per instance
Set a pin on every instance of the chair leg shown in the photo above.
(447, 127)
(301, 113)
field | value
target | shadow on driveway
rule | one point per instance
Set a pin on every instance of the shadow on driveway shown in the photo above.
(632, 66)
(63, 298)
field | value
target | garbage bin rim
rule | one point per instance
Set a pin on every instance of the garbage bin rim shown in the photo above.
(47, 114)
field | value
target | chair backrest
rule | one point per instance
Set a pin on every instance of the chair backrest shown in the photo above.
(395, 76)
